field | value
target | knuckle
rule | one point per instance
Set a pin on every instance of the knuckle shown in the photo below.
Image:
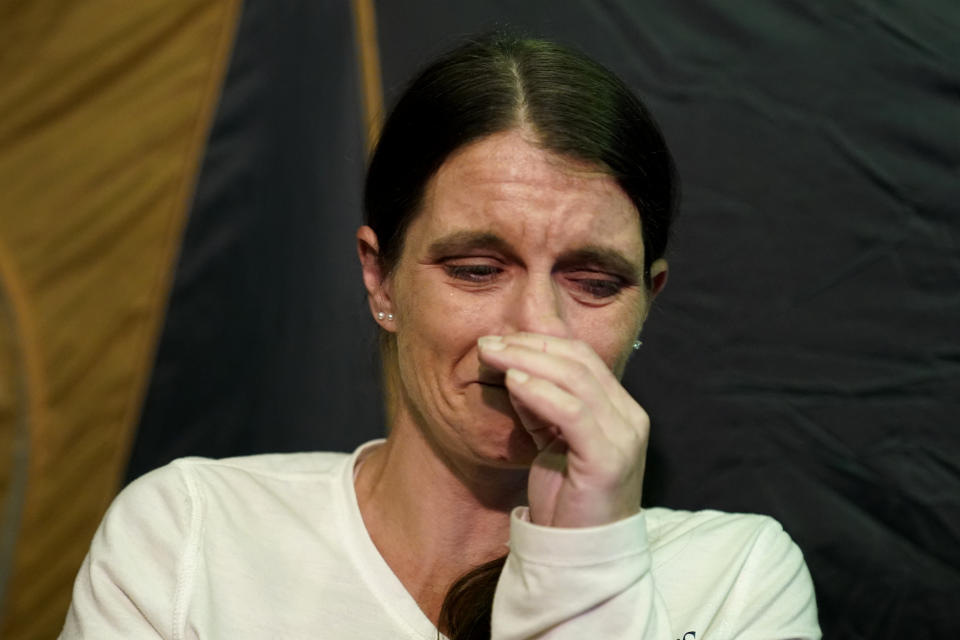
(639, 417)
(574, 373)
(575, 408)
(582, 348)
(636, 442)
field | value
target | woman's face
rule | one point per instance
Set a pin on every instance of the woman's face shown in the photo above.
(510, 238)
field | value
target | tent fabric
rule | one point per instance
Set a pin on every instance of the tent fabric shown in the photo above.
(267, 344)
(104, 113)
(802, 362)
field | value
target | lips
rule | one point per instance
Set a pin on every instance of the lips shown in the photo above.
(491, 377)
(487, 376)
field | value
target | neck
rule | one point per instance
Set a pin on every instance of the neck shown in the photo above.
(434, 518)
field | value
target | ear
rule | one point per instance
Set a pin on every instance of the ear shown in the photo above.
(374, 278)
(658, 277)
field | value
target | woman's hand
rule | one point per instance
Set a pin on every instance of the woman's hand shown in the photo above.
(591, 435)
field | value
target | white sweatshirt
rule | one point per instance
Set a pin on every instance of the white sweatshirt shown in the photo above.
(273, 546)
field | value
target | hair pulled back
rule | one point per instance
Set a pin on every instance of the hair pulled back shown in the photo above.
(572, 106)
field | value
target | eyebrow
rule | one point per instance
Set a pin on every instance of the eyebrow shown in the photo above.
(605, 258)
(466, 241)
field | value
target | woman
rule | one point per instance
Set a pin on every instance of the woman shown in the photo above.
(517, 208)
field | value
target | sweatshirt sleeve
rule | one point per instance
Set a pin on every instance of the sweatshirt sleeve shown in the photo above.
(742, 578)
(136, 576)
(593, 582)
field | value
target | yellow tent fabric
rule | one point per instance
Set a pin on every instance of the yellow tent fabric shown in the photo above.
(104, 111)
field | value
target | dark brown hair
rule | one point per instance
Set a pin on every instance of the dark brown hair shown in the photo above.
(465, 614)
(573, 106)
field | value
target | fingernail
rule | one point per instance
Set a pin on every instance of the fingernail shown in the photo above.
(490, 343)
(517, 375)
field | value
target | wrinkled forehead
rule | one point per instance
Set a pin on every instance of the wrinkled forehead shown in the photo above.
(508, 184)
(517, 156)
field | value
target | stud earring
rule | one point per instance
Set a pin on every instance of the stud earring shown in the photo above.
(637, 344)
(381, 315)
(390, 317)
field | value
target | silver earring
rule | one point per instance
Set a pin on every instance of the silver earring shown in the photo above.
(637, 344)
(390, 317)
(381, 315)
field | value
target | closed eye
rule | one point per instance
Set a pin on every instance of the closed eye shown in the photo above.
(598, 286)
(472, 272)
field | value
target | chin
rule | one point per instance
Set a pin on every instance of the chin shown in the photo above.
(494, 431)
(505, 442)
(520, 448)
(515, 452)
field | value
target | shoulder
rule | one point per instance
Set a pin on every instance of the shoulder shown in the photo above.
(174, 496)
(742, 549)
(745, 566)
(745, 541)
(274, 467)
(158, 535)
(277, 465)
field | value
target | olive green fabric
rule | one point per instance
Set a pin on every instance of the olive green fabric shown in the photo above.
(104, 115)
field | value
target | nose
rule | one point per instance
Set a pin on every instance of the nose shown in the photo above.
(537, 306)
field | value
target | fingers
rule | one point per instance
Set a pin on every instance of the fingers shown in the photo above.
(566, 384)
(570, 375)
(591, 435)
(578, 351)
(542, 430)
(594, 467)
(570, 364)
(551, 405)
(591, 429)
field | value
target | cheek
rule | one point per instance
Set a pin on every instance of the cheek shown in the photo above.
(438, 323)
(616, 356)
(426, 299)
(611, 336)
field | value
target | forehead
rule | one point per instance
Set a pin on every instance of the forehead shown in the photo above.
(507, 185)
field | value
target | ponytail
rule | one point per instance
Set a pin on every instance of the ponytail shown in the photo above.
(465, 614)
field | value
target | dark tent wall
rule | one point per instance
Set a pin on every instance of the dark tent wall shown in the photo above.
(268, 345)
(803, 361)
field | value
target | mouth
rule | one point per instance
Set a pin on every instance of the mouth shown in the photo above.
(494, 394)
(491, 378)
